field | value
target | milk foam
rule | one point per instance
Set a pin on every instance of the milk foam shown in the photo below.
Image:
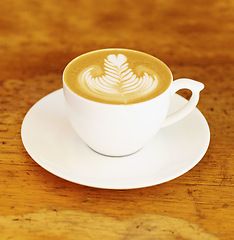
(118, 81)
(117, 76)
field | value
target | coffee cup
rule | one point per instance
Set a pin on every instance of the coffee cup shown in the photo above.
(118, 99)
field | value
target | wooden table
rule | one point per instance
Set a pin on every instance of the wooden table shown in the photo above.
(37, 40)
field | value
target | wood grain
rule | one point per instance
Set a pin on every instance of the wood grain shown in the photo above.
(37, 39)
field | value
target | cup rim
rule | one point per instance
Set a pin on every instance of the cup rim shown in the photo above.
(118, 104)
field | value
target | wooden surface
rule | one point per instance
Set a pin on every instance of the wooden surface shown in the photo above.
(37, 40)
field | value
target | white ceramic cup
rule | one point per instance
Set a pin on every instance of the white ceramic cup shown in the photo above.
(120, 130)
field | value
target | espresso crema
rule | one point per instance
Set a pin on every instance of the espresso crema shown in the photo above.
(117, 76)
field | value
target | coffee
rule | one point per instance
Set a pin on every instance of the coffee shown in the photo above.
(117, 76)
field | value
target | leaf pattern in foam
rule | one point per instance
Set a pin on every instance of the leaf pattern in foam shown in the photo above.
(119, 79)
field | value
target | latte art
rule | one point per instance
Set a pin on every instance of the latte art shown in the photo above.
(117, 76)
(118, 81)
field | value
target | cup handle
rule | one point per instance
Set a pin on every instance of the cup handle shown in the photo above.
(184, 83)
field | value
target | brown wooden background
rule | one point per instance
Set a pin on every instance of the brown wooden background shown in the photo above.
(37, 39)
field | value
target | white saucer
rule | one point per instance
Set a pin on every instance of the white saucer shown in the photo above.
(51, 142)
